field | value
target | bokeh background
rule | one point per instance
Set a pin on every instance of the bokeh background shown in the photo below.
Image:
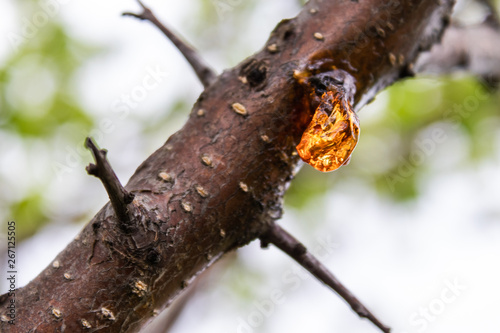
(411, 225)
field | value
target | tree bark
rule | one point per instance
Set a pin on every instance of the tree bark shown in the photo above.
(218, 183)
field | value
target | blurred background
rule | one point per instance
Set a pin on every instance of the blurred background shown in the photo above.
(411, 225)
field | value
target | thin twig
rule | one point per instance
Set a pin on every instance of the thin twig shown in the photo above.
(295, 249)
(202, 70)
(118, 196)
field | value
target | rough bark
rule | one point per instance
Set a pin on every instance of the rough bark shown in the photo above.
(223, 175)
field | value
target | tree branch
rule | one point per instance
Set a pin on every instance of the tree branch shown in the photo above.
(202, 70)
(287, 243)
(118, 196)
(218, 183)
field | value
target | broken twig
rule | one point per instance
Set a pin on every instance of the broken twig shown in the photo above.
(118, 196)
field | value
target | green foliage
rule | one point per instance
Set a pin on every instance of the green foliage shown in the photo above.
(31, 211)
(38, 101)
(37, 92)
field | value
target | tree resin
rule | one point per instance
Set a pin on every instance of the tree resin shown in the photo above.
(332, 134)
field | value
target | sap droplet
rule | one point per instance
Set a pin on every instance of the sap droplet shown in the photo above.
(332, 134)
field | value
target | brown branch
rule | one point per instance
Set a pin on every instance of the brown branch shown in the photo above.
(118, 196)
(202, 70)
(218, 183)
(287, 243)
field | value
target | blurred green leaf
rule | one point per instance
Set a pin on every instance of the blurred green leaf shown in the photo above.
(30, 210)
(39, 100)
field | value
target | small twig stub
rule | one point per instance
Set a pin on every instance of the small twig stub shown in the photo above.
(118, 196)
